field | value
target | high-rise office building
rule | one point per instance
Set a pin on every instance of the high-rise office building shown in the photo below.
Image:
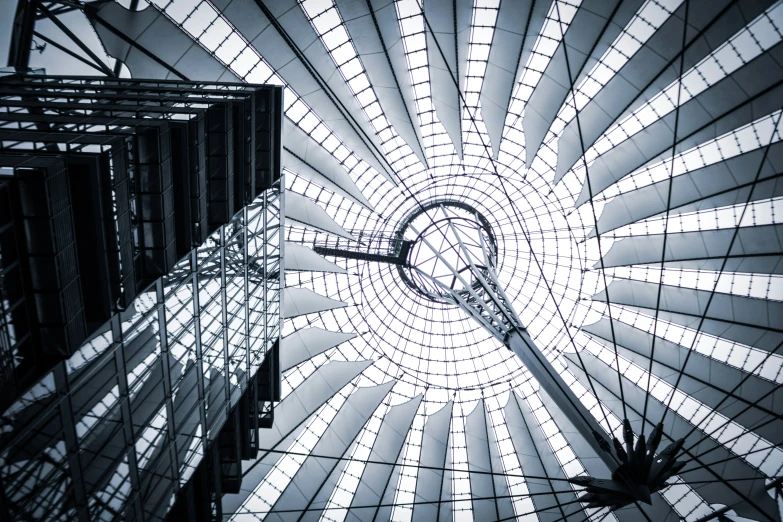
(531, 251)
(141, 263)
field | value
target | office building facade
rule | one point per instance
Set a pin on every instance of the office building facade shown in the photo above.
(141, 258)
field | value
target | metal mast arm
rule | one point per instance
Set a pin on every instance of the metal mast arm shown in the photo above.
(452, 260)
(518, 341)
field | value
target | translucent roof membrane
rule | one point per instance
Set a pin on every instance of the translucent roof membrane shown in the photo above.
(630, 172)
(759, 36)
(330, 28)
(436, 142)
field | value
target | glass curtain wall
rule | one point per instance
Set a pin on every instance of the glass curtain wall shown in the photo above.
(122, 425)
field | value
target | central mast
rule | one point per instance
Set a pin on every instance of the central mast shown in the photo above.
(453, 260)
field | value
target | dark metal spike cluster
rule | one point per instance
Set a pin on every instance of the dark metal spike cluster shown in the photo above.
(640, 474)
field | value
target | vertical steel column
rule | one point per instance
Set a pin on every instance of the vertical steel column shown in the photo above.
(246, 304)
(199, 350)
(265, 246)
(166, 356)
(224, 321)
(127, 421)
(281, 251)
(65, 410)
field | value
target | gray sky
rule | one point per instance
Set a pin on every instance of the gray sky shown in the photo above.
(53, 60)
(7, 8)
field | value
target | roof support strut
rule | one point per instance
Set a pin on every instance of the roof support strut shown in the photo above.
(458, 267)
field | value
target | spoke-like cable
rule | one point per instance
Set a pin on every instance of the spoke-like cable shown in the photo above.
(708, 468)
(723, 264)
(733, 456)
(668, 210)
(70, 53)
(571, 81)
(75, 39)
(748, 375)
(757, 425)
